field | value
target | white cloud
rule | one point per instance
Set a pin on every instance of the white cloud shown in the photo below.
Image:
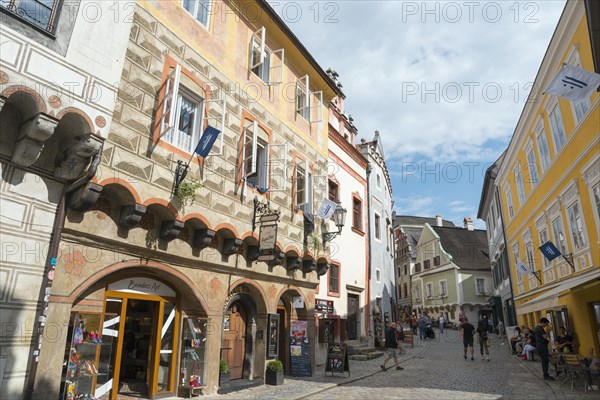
(435, 90)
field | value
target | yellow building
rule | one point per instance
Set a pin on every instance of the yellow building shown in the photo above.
(549, 184)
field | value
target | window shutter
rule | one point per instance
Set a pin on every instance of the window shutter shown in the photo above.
(278, 167)
(302, 85)
(249, 158)
(170, 113)
(276, 70)
(316, 112)
(214, 115)
(258, 40)
(308, 184)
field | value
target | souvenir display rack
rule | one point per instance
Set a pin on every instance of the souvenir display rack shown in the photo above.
(81, 359)
(193, 352)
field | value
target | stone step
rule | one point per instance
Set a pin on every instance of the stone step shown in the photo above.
(374, 354)
(359, 357)
(362, 350)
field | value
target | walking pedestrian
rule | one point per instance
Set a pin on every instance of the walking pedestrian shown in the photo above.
(483, 337)
(391, 346)
(501, 331)
(541, 340)
(466, 333)
(413, 324)
(441, 322)
(422, 323)
(491, 325)
(400, 336)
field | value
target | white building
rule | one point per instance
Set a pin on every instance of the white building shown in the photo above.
(381, 268)
(346, 285)
(59, 65)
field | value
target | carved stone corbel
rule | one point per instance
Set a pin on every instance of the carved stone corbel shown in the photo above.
(278, 260)
(131, 215)
(85, 197)
(170, 229)
(292, 262)
(203, 238)
(231, 246)
(308, 265)
(30, 141)
(252, 252)
(322, 268)
(75, 155)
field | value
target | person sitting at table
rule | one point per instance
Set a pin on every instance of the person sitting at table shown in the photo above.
(528, 347)
(564, 342)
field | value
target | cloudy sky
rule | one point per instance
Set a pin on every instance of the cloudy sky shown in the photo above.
(443, 82)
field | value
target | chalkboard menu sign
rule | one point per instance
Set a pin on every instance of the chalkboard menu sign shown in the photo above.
(337, 359)
(300, 349)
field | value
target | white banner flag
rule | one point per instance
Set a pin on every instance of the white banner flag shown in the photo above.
(522, 268)
(327, 209)
(574, 83)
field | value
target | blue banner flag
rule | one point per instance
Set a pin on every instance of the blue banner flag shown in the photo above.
(206, 141)
(550, 251)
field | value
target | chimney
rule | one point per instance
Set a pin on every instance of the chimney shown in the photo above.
(438, 220)
(468, 223)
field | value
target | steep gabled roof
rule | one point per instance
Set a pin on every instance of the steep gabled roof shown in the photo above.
(402, 220)
(469, 249)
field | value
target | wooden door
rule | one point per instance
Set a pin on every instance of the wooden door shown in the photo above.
(233, 342)
(352, 317)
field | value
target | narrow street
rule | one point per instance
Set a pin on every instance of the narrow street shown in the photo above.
(432, 369)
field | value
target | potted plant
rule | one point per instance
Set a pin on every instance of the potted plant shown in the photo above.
(274, 375)
(186, 192)
(223, 375)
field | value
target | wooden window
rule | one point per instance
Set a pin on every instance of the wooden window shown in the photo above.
(264, 63)
(436, 261)
(303, 187)
(333, 191)
(200, 10)
(356, 213)
(334, 278)
(418, 267)
(427, 264)
(377, 227)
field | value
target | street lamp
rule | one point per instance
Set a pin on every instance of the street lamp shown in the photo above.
(339, 218)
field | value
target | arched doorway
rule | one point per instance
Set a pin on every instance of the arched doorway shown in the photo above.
(240, 321)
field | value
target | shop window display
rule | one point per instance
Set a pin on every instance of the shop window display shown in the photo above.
(193, 351)
(81, 367)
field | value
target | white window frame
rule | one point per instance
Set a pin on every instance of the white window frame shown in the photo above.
(583, 106)
(558, 233)
(270, 66)
(519, 184)
(577, 226)
(542, 145)
(255, 171)
(534, 177)
(484, 289)
(444, 288)
(429, 290)
(543, 234)
(303, 103)
(378, 181)
(509, 201)
(197, 4)
(516, 255)
(174, 93)
(557, 124)
(417, 289)
(307, 204)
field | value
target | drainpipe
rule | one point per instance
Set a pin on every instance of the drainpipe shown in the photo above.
(59, 223)
(368, 283)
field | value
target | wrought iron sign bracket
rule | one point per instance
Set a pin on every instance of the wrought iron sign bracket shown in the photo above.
(264, 212)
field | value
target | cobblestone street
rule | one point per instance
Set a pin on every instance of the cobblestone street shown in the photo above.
(434, 369)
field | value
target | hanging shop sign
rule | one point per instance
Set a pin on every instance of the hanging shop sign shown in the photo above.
(267, 242)
(142, 285)
(273, 338)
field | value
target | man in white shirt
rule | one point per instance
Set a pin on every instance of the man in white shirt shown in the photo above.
(441, 322)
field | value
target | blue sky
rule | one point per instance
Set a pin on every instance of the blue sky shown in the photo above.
(443, 82)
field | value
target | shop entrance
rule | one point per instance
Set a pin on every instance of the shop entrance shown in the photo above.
(136, 356)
